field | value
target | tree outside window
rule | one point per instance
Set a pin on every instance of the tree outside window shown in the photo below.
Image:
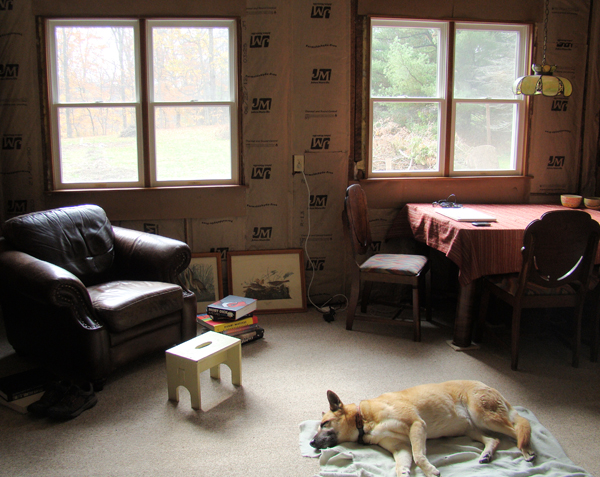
(427, 122)
(108, 129)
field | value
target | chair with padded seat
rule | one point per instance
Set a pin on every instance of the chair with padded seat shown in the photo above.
(403, 269)
(558, 258)
(85, 297)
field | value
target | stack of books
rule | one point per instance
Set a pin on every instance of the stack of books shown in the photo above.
(233, 316)
(19, 390)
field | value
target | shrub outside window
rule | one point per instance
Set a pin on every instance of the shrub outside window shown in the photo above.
(143, 103)
(429, 119)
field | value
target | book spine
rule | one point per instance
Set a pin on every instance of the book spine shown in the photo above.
(226, 319)
(235, 324)
(219, 312)
(220, 327)
(250, 336)
(21, 394)
(240, 330)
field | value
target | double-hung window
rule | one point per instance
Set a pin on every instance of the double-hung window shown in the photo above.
(441, 100)
(142, 103)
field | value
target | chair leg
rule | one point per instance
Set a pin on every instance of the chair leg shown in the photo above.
(416, 314)
(428, 316)
(595, 336)
(364, 300)
(480, 325)
(353, 301)
(516, 335)
(577, 334)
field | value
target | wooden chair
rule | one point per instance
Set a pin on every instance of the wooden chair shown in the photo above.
(395, 268)
(558, 257)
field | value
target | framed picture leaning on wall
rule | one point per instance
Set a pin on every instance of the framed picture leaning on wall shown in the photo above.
(275, 278)
(203, 276)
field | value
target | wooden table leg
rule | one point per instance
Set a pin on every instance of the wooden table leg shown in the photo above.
(465, 313)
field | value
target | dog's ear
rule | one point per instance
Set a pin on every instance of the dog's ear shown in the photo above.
(334, 401)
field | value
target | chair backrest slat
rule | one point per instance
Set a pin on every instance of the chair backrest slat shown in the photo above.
(356, 210)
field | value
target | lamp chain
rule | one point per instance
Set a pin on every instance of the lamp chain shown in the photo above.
(545, 34)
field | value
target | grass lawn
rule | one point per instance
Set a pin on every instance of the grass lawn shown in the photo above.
(183, 154)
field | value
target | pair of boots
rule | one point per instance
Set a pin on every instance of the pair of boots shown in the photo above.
(64, 400)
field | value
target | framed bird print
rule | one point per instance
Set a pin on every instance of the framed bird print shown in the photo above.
(275, 278)
(204, 277)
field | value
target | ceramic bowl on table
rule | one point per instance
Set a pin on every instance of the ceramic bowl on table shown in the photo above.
(570, 200)
(592, 203)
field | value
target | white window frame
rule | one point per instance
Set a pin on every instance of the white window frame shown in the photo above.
(146, 165)
(519, 117)
(446, 132)
(440, 98)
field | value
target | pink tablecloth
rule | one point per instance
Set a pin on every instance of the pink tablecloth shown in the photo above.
(477, 251)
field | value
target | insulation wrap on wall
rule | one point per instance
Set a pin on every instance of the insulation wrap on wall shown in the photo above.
(555, 144)
(266, 66)
(321, 121)
(20, 177)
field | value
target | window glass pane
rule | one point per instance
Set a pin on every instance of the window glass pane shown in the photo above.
(404, 62)
(405, 136)
(193, 143)
(191, 64)
(484, 137)
(98, 145)
(486, 63)
(95, 64)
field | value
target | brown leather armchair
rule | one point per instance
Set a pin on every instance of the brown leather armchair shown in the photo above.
(85, 297)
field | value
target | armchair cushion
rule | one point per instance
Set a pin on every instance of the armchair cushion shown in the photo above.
(79, 239)
(124, 304)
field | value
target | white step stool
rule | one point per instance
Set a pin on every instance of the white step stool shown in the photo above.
(186, 361)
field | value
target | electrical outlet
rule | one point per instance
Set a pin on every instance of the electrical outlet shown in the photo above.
(298, 163)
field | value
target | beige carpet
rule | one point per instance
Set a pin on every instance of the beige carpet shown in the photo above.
(253, 430)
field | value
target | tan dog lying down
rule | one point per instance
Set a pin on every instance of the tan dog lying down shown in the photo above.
(405, 419)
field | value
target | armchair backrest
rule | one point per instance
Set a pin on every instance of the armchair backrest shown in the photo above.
(79, 239)
(560, 248)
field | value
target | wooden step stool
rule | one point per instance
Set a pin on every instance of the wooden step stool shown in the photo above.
(186, 361)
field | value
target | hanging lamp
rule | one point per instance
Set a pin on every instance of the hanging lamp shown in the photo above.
(543, 81)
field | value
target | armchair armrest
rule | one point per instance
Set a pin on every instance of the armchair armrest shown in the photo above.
(47, 283)
(144, 256)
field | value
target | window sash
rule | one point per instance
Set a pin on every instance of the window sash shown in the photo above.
(440, 134)
(144, 132)
(156, 177)
(448, 105)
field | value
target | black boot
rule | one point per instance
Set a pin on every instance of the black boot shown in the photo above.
(53, 393)
(75, 401)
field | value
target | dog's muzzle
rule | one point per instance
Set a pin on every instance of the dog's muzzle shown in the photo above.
(324, 439)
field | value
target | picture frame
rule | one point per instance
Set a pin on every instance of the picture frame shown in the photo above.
(275, 278)
(204, 277)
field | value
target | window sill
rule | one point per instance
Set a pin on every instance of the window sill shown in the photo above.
(157, 203)
(393, 193)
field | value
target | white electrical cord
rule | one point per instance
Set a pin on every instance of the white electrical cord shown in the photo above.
(323, 308)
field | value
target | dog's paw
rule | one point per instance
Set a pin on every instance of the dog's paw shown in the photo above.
(485, 458)
(528, 455)
(433, 472)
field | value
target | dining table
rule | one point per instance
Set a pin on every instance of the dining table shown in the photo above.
(478, 251)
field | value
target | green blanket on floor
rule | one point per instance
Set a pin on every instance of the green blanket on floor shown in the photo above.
(453, 456)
